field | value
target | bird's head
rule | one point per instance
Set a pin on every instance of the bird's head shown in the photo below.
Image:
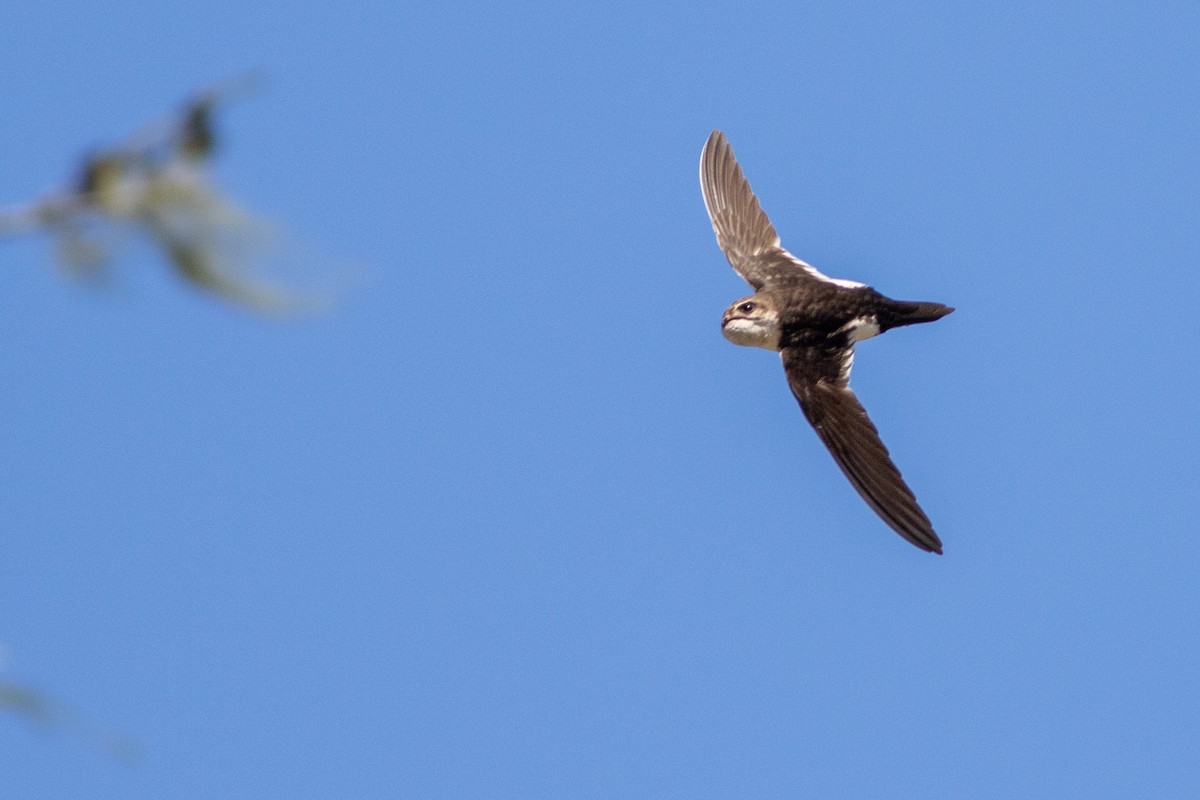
(753, 322)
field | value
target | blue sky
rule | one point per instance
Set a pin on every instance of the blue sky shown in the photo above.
(513, 519)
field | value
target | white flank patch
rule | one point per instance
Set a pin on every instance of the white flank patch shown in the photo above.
(861, 328)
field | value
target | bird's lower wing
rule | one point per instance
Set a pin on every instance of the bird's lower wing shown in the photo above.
(843, 425)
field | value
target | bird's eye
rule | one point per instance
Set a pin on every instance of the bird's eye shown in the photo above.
(746, 308)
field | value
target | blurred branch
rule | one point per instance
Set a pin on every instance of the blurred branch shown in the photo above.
(37, 708)
(157, 182)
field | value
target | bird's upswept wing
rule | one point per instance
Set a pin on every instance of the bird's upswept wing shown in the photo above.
(743, 231)
(819, 378)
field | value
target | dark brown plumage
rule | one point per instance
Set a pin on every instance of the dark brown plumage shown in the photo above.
(814, 322)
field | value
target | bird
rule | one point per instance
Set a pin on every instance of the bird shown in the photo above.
(814, 322)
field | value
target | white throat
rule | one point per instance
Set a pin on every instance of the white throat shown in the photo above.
(752, 333)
